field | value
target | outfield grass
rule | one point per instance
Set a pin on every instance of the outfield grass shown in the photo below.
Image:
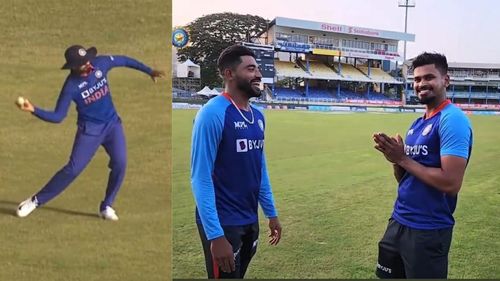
(65, 240)
(334, 193)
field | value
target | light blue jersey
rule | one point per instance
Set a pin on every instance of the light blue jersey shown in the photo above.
(228, 167)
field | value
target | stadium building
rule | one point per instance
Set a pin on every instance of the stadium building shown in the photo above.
(311, 61)
(316, 63)
(472, 85)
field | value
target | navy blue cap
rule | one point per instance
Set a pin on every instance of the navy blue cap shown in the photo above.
(77, 56)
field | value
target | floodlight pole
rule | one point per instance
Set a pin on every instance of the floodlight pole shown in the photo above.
(406, 5)
(406, 29)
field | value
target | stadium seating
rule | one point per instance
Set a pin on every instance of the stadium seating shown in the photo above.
(377, 74)
(286, 93)
(320, 71)
(350, 72)
(378, 96)
(289, 69)
(350, 95)
(329, 95)
(323, 95)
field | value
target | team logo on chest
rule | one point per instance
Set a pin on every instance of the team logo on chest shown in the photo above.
(98, 74)
(410, 132)
(427, 130)
(261, 124)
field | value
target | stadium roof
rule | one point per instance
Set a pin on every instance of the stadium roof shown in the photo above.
(467, 65)
(474, 65)
(343, 29)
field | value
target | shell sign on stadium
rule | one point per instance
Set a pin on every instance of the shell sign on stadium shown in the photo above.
(350, 30)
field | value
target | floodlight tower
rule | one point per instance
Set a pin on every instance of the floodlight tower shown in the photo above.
(406, 4)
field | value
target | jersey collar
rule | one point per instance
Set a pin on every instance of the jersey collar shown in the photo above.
(228, 97)
(437, 109)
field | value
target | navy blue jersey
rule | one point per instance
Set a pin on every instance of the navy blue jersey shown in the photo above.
(448, 132)
(228, 168)
(90, 93)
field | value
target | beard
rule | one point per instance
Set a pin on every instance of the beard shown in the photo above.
(429, 98)
(426, 100)
(247, 88)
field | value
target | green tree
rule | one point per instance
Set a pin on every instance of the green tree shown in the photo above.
(210, 34)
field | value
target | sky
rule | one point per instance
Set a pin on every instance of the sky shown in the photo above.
(463, 30)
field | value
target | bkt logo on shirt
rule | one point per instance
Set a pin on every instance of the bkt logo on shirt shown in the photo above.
(245, 145)
(413, 150)
(240, 125)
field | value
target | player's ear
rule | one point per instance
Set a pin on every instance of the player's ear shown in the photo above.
(446, 81)
(228, 74)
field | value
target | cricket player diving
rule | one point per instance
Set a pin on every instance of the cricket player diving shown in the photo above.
(98, 124)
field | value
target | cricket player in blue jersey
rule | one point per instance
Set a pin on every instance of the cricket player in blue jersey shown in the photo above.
(98, 124)
(429, 167)
(228, 169)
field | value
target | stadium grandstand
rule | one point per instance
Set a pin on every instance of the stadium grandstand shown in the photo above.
(472, 85)
(308, 62)
(325, 62)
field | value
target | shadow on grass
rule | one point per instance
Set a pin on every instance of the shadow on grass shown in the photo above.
(9, 208)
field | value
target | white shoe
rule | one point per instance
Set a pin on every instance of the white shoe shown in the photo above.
(108, 214)
(26, 207)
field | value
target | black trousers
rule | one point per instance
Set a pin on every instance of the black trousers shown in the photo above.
(406, 252)
(244, 240)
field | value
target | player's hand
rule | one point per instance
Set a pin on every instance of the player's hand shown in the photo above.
(275, 228)
(222, 253)
(391, 147)
(157, 74)
(26, 106)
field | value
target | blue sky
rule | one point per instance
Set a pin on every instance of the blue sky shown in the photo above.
(464, 30)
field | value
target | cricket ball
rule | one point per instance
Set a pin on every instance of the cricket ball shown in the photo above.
(20, 101)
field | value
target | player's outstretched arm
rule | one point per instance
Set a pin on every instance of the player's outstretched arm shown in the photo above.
(155, 74)
(25, 105)
(124, 61)
(56, 116)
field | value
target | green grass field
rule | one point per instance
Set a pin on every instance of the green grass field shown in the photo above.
(335, 192)
(65, 240)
